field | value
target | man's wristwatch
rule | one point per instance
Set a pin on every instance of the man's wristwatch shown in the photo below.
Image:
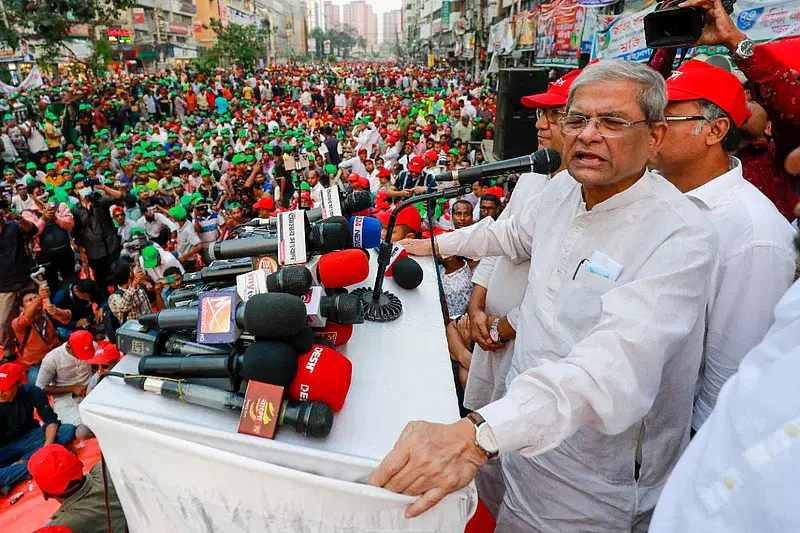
(484, 436)
(494, 334)
(743, 50)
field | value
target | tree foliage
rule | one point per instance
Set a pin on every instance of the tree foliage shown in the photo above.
(343, 40)
(235, 45)
(47, 23)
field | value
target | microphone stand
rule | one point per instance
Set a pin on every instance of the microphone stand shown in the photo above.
(380, 305)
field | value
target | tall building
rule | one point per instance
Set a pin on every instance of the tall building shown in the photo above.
(333, 18)
(359, 15)
(392, 22)
(316, 14)
(164, 31)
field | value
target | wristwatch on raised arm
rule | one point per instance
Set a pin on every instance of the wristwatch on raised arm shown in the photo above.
(484, 436)
(743, 50)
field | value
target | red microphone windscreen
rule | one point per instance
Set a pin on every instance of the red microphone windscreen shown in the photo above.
(322, 374)
(338, 334)
(343, 268)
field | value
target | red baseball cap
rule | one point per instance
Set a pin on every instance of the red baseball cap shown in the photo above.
(384, 173)
(408, 217)
(433, 155)
(416, 164)
(363, 182)
(265, 202)
(556, 93)
(53, 468)
(305, 195)
(697, 79)
(117, 209)
(353, 177)
(10, 375)
(104, 355)
(362, 150)
(495, 190)
(82, 343)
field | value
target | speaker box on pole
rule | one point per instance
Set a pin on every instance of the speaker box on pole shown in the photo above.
(515, 124)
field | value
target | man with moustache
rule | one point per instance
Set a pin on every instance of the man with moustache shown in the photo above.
(599, 392)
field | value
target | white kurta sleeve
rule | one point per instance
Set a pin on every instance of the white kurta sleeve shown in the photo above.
(511, 237)
(610, 379)
(483, 272)
(751, 284)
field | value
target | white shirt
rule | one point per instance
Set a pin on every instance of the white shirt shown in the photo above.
(505, 284)
(187, 238)
(21, 205)
(316, 193)
(153, 229)
(61, 369)
(605, 367)
(739, 473)
(167, 260)
(354, 164)
(754, 268)
(340, 100)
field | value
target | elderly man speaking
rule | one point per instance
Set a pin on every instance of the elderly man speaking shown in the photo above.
(609, 336)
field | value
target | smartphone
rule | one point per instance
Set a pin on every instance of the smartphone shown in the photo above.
(674, 27)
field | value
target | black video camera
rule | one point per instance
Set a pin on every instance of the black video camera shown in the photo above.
(677, 27)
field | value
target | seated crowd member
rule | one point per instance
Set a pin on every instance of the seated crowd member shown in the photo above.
(36, 328)
(20, 433)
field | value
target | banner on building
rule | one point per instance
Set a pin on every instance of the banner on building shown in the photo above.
(594, 21)
(326, 47)
(525, 29)
(501, 37)
(623, 38)
(768, 20)
(138, 18)
(559, 28)
(32, 81)
(431, 60)
(446, 13)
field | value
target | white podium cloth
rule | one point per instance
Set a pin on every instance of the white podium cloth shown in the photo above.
(181, 468)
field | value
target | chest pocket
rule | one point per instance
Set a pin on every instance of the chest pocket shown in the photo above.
(581, 302)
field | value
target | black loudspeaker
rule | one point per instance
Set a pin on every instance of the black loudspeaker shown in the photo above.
(515, 124)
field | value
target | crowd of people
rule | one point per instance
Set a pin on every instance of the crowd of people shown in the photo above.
(663, 245)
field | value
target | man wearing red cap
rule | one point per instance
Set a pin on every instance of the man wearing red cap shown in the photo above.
(355, 164)
(20, 432)
(83, 498)
(407, 226)
(609, 333)
(104, 360)
(756, 260)
(412, 181)
(65, 374)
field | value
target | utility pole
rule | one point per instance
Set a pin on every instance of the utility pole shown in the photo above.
(476, 62)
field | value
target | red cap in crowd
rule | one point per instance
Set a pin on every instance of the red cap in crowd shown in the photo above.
(353, 177)
(416, 164)
(53, 468)
(495, 190)
(433, 155)
(10, 375)
(408, 217)
(305, 195)
(697, 79)
(384, 173)
(265, 202)
(362, 150)
(82, 344)
(106, 354)
(363, 182)
(556, 93)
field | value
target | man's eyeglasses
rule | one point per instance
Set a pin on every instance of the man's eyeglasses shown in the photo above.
(684, 119)
(608, 127)
(106, 366)
(551, 114)
(119, 215)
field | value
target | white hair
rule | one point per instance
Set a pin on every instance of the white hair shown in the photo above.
(652, 96)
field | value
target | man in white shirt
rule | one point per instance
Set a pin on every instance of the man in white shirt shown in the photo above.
(22, 200)
(157, 227)
(609, 333)
(154, 261)
(64, 375)
(356, 164)
(499, 285)
(188, 242)
(756, 260)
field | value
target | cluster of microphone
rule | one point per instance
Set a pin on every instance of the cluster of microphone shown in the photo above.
(285, 321)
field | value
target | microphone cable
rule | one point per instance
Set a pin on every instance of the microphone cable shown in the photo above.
(431, 208)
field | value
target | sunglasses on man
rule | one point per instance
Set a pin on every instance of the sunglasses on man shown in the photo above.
(105, 366)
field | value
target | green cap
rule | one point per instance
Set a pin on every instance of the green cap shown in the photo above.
(30, 166)
(68, 186)
(138, 231)
(8, 116)
(143, 169)
(50, 116)
(149, 255)
(64, 170)
(60, 154)
(238, 158)
(197, 166)
(205, 172)
(305, 186)
(50, 166)
(330, 169)
(151, 167)
(186, 201)
(178, 212)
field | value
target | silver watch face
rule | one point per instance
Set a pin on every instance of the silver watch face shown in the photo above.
(494, 334)
(484, 436)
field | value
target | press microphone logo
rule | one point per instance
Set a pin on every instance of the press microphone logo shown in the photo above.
(313, 359)
(358, 231)
(216, 314)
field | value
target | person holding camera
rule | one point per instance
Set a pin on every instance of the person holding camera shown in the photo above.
(95, 234)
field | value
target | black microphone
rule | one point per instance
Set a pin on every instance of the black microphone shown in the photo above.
(264, 315)
(220, 271)
(544, 161)
(342, 308)
(310, 419)
(407, 273)
(326, 236)
(352, 203)
(265, 361)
